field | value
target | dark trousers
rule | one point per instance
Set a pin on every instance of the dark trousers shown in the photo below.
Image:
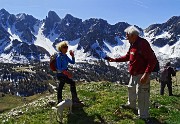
(63, 80)
(163, 85)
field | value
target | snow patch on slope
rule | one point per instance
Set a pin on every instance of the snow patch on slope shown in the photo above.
(43, 41)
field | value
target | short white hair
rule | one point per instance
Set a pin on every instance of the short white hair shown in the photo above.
(132, 30)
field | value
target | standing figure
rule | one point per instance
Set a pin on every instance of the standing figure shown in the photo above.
(142, 61)
(63, 75)
(166, 78)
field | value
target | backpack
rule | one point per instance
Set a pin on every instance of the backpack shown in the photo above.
(164, 74)
(157, 67)
(52, 62)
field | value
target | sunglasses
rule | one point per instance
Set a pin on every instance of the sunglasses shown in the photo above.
(65, 47)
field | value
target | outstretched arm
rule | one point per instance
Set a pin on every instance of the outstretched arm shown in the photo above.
(120, 59)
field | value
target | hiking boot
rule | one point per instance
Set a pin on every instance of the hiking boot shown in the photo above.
(59, 100)
(170, 94)
(76, 100)
(78, 103)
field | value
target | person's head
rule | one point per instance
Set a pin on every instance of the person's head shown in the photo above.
(132, 33)
(62, 46)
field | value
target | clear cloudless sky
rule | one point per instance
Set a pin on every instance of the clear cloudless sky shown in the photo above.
(135, 12)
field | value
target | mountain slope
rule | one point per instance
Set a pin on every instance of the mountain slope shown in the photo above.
(102, 105)
(22, 34)
(165, 37)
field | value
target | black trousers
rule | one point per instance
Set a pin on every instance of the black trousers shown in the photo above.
(62, 81)
(163, 85)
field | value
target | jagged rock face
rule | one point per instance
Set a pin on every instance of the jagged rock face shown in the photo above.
(91, 31)
(28, 51)
(21, 25)
(154, 29)
(4, 15)
(4, 34)
(119, 29)
(4, 39)
(98, 31)
(24, 21)
(51, 22)
(172, 27)
(160, 42)
(71, 28)
(93, 35)
(12, 19)
(28, 36)
(68, 28)
(25, 24)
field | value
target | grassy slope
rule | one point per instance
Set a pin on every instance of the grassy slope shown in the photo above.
(8, 101)
(103, 100)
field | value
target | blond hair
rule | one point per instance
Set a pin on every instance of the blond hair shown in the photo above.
(60, 45)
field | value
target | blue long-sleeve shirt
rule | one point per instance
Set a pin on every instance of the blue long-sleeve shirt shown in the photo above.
(62, 61)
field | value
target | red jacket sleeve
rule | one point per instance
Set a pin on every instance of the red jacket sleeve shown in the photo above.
(123, 58)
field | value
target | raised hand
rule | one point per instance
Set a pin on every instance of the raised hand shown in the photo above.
(71, 53)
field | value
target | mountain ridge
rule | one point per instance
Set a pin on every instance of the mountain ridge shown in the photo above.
(94, 37)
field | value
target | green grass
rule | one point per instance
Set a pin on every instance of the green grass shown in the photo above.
(10, 101)
(102, 105)
(7, 102)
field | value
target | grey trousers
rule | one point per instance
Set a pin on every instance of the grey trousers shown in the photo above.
(141, 93)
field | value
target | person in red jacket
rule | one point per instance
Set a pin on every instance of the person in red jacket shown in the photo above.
(142, 61)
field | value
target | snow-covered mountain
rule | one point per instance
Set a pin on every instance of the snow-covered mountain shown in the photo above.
(24, 38)
(166, 37)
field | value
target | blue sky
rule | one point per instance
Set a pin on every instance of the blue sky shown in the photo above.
(135, 12)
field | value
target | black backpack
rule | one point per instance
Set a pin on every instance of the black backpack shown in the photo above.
(157, 67)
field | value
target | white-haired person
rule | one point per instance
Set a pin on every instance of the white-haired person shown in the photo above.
(63, 75)
(142, 61)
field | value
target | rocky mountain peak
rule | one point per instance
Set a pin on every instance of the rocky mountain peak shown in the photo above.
(52, 16)
(93, 36)
(4, 12)
(21, 16)
(173, 20)
(168, 32)
(4, 17)
(70, 27)
(70, 21)
(51, 21)
(69, 17)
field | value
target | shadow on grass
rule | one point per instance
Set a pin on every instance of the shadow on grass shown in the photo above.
(176, 95)
(79, 116)
(4, 110)
(151, 120)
